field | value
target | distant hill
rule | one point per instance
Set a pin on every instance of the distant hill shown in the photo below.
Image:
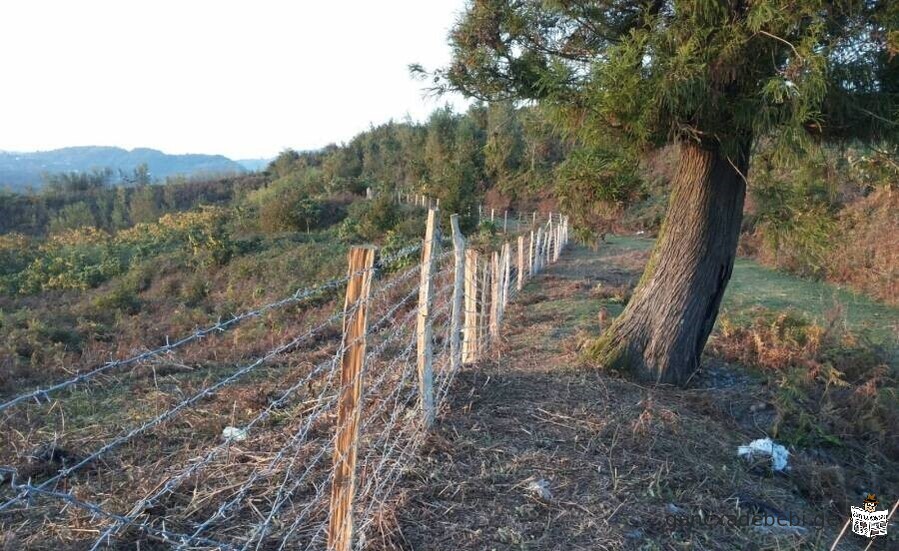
(19, 170)
(254, 165)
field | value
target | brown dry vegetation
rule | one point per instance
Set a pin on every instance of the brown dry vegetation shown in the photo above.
(41, 439)
(540, 451)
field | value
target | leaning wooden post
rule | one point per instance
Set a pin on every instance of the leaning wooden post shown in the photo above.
(458, 292)
(349, 407)
(505, 221)
(425, 323)
(470, 337)
(496, 299)
(520, 262)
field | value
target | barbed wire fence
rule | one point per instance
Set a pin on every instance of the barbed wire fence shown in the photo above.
(315, 466)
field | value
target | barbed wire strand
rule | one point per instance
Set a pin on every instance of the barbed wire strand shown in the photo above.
(277, 403)
(219, 327)
(300, 436)
(375, 493)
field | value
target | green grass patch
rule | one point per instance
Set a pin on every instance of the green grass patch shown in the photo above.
(753, 286)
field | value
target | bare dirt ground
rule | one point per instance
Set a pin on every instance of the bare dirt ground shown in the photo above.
(538, 451)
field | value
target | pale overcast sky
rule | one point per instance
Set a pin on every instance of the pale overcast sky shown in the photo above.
(240, 78)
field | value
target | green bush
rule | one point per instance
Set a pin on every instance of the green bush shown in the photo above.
(369, 220)
(120, 298)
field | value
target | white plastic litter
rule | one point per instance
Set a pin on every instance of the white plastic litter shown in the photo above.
(765, 447)
(235, 434)
(540, 488)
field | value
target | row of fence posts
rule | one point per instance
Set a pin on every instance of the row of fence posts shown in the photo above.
(470, 283)
(421, 200)
(416, 199)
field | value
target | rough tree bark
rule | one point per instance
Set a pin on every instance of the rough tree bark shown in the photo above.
(661, 333)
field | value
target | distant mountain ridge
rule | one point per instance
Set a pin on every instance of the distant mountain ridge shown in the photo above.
(20, 170)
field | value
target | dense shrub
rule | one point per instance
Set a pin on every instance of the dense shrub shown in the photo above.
(369, 220)
(84, 258)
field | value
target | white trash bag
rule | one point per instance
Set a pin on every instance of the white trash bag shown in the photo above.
(765, 447)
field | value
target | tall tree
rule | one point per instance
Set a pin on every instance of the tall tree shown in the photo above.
(504, 149)
(713, 76)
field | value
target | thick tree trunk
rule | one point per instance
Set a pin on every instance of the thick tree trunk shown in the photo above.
(662, 331)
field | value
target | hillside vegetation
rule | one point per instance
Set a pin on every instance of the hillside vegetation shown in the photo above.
(88, 269)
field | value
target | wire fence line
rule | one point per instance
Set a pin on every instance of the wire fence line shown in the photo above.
(280, 477)
(300, 295)
(204, 393)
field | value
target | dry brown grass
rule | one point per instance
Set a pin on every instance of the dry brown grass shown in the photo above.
(616, 457)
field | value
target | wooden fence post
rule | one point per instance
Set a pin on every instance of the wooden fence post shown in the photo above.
(559, 240)
(507, 273)
(538, 251)
(470, 337)
(458, 292)
(531, 254)
(349, 408)
(493, 215)
(485, 305)
(549, 242)
(425, 323)
(505, 221)
(496, 299)
(520, 262)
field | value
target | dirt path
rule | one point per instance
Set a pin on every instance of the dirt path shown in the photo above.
(538, 452)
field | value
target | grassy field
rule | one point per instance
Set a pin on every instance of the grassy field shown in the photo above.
(754, 286)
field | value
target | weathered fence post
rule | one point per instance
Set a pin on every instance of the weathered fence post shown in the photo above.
(507, 275)
(538, 251)
(458, 292)
(425, 323)
(493, 215)
(485, 305)
(496, 299)
(349, 407)
(520, 262)
(559, 240)
(531, 254)
(549, 241)
(470, 337)
(505, 221)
